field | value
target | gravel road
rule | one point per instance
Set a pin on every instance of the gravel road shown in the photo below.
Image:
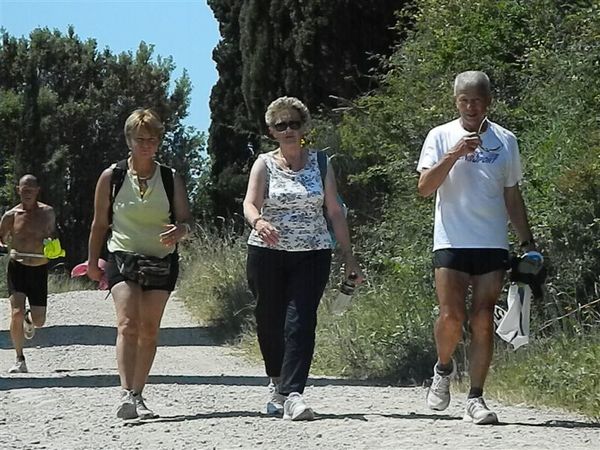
(208, 397)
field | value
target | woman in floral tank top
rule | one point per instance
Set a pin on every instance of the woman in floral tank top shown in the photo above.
(289, 253)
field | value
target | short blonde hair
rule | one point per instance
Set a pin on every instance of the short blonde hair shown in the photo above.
(143, 119)
(286, 104)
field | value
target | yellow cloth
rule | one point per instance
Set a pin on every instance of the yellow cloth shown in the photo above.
(138, 222)
(52, 249)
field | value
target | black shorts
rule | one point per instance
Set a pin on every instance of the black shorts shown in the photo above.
(29, 280)
(474, 261)
(114, 276)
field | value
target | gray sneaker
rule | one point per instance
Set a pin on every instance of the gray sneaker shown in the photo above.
(275, 401)
(143, 412)
(19, 367)
(28, 326)
(295, 408)
(438, 395)
(477, 412)
(126, 408)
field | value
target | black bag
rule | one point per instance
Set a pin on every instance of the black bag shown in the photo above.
(142, 269)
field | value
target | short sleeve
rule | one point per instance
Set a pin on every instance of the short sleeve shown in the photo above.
(429, 153)
(515, 171)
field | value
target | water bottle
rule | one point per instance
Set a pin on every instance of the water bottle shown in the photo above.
(342, 302)
(530, 263)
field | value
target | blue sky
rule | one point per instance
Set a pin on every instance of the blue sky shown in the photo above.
(183, 29)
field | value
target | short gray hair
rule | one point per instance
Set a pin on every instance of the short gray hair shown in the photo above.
(286, 104)
(472, 79)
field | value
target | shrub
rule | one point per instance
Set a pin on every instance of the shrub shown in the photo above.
(213, 282)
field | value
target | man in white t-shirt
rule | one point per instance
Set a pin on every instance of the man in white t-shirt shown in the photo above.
(473, 167)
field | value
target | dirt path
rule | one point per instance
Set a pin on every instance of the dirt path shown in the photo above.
(209, 398)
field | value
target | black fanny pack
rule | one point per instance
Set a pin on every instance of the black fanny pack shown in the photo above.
(142, 269)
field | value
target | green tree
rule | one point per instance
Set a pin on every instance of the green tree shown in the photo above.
(312, 50)
(62, 112)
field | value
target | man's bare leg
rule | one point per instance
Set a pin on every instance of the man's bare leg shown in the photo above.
(17, 305)
(38, 315)
(451, 288)
(486, 290)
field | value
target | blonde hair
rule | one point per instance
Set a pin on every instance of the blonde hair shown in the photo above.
(286, 104)
(143, 119)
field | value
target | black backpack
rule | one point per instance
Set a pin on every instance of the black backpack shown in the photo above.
(117, 177)
(322, 159)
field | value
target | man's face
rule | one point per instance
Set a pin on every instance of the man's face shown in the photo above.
(28, 191)
(472, 105)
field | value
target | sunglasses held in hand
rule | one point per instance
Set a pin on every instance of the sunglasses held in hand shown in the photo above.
(292, 124)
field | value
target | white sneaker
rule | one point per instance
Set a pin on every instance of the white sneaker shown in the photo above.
(143, 412)
(18, 367)
(126, 408)
(28, 326)
(295, 408)
(477, 412)
(276, 401)
(438, 395)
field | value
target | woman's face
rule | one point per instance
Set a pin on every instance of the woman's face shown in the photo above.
(144, 144)
(287, 127)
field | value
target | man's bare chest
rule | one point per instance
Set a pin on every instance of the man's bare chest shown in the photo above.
(29, 224)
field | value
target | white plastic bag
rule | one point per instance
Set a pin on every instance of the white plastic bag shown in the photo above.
(513, 325)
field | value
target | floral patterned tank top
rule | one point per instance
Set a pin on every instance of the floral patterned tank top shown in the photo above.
(294, 205)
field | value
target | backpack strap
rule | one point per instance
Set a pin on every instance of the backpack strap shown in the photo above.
(119, 170)
(168, 178)
(322, 160)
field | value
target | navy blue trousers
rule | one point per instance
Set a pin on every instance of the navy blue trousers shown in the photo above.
(288, 287)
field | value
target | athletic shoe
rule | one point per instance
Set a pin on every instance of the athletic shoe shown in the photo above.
(295, 408)
(18, 367)
(126, 408)
(438, 395)
(28, 326)
(276, 401)
(478, 412)
(143, 412)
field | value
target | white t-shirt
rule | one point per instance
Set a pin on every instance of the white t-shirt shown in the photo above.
(469, 207)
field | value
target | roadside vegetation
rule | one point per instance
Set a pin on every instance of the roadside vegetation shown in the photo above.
(542, 57)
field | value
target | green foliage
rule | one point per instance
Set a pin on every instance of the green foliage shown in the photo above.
(543, 58)
(62, 109)
(213, 283)
(274, 48)
(559, 371)
(60, 281)
(387, 333)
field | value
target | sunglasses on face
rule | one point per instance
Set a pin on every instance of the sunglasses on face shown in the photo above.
(292, 124)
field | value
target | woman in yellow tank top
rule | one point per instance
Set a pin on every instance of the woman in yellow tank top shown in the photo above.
(144, 235)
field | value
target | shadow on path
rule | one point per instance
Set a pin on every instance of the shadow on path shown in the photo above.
(554, 424)
(363, 417)
(199, 416)
(102, 335)
(72, 380)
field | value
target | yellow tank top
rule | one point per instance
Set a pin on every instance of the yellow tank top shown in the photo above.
(138, 221)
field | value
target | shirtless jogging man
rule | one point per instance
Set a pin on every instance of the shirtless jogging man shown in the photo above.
(473, 167)
(26, 226)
